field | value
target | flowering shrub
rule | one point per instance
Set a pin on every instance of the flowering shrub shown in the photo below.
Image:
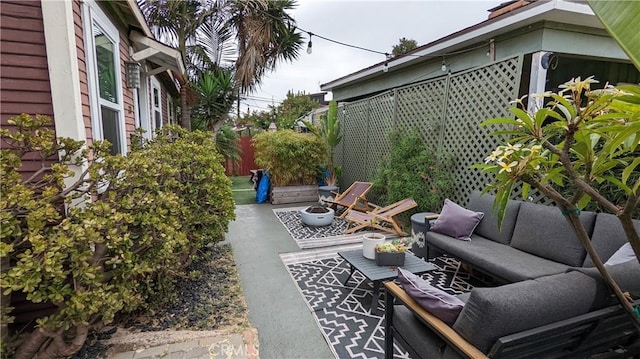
(567, 150)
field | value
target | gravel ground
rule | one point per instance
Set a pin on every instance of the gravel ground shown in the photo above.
(209, 299)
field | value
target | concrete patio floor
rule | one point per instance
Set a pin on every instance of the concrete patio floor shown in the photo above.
(286, 328)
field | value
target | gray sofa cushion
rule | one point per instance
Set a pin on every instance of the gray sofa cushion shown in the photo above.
(488, 227)
(491, 313)
(626, 275)
(422, 340)
(501, 261)
(607, 237)
(543, 231)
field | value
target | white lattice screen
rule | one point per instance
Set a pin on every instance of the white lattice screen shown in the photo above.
(445, 111)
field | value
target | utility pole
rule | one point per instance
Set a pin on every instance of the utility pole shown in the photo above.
(238, 118)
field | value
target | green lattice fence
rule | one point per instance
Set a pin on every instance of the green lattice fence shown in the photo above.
(445, 111)
(473, 97)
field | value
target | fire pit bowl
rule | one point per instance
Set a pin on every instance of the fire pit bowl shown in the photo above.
(317, 216)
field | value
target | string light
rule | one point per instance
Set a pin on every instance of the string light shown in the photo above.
(444, 66)
(370, 50)
(385, 67)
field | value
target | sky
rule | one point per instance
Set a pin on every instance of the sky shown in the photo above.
(372, 24)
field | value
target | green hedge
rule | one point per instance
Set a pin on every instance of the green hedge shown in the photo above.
(291, 158)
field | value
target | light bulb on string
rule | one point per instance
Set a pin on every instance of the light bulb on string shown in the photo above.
(444, 66)
(385, 67)
(310, 45)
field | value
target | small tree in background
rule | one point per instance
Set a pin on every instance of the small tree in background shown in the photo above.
(413, 169)
(292, 108)
(405, 45)
(566, 150)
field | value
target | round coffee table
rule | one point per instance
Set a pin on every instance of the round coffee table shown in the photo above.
(317, 216)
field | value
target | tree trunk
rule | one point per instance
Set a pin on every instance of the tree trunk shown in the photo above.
(575, 222)
(632, 235)
(44, 344)
(5, 302)
(185, 110)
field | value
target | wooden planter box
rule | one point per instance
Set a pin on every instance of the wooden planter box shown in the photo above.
(294, 194)
(390, 259)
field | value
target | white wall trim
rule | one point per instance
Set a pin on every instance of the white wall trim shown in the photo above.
(64, 74)
(537, 82)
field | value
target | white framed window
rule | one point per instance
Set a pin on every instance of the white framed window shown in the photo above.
(156, 104)
(102, 51)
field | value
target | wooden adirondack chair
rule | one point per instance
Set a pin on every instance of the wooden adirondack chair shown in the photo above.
(381, 218)
(353, 198)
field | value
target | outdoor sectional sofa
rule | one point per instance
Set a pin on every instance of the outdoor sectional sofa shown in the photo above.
(554, 302)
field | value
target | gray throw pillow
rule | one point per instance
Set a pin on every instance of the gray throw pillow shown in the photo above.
(623, 254)
(456, 221)
(444, 306)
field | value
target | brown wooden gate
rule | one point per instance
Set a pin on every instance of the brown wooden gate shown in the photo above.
(246, 163)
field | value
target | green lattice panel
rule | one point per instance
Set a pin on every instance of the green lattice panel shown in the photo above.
(421, 107)
(355, 142)
(338, 151)
(380, 124)
(473, 97)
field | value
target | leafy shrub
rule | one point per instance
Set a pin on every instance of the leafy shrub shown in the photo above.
(291, 158)
(142, 217)
(413, 169)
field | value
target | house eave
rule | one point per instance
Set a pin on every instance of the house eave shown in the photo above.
(568, 12)
(148, 49)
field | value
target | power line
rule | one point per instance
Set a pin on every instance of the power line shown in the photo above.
(386, 54)
(340, 42)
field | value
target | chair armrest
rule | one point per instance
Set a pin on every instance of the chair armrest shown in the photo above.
(440, 328)
(431, 216)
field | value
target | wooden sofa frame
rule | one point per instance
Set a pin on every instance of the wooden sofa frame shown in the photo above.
(593, 333)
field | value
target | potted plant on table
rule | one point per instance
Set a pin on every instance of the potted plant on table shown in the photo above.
(392, 253)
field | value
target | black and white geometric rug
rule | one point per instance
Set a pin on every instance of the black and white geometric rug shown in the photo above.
(342, 312)
(314, 237)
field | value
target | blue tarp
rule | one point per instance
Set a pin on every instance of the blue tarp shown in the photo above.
(262, 194)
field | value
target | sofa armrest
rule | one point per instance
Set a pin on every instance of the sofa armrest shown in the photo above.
(444, 331)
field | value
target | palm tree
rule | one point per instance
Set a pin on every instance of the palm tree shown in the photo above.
(203, 31)
(177, 23)
(215, 91)
(265, 34)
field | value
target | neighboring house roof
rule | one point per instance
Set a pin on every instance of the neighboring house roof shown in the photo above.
(563, 11)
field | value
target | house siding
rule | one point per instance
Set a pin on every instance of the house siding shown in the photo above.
(165, 105)
(24, 75)
(24, 88)
(127, 94)
(82, 69)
